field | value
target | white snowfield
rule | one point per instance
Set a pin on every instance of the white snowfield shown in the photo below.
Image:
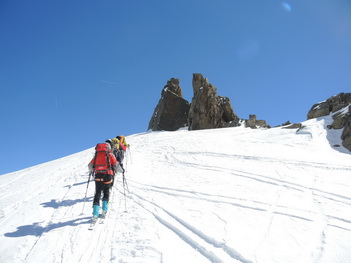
(222, 195)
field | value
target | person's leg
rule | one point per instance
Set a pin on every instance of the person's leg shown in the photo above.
(99, 185)
(107, 186)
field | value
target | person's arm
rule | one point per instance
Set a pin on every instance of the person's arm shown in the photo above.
(122, 146)
(116, 165)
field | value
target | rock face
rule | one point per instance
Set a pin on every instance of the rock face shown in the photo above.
(341, 119)
(253, 123)
(171, 112)
(208, 110)
(331, 105)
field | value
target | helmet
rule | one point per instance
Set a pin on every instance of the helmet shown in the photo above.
(108, 141)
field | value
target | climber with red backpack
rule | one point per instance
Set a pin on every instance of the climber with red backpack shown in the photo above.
(103, 166)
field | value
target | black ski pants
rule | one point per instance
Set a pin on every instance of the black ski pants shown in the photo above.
(103, 183)
(119, 154)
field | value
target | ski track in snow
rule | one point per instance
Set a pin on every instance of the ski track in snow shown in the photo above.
(189, 228)
(254, 196)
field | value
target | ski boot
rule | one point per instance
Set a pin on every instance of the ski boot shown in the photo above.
(96, 210)
(104, 207)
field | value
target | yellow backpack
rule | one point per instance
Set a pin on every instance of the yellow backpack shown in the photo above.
(123, 140)
(115, 142)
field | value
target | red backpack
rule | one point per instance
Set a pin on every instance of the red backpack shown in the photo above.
(101, 162)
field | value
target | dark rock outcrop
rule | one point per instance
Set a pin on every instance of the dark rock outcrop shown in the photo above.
(253, 123)
(331, 105)
(171, 112)
(341, 119)
(292, 126)
(346, 133)
(208, 110)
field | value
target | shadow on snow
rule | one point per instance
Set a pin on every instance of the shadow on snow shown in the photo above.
(36, 230)
(56, 204)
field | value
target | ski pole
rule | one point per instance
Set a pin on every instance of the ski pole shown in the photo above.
(130, 155)
(124, 191)
(125, 182)
(86, 191)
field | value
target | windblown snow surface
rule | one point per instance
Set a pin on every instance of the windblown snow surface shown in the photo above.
(221, 195)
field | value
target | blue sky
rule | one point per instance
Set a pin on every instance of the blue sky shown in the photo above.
(74, 73)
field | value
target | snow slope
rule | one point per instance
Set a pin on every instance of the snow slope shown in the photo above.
(222, 195)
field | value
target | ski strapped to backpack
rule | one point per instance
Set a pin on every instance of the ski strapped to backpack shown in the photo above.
(101, 162)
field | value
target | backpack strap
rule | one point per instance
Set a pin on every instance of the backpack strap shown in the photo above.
(94, 162)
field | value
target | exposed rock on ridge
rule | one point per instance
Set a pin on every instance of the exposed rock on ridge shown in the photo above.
(331, 105)
(208, 110)
(341, 118)
(171, 112)
(254, 124)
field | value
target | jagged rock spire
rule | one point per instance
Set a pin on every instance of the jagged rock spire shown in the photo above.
(171, 112)
(208, 110)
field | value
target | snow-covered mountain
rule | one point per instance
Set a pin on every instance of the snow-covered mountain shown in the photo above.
(221, 195)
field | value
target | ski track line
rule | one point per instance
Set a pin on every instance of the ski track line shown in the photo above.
(18, 178)
(322, 222)
(274, 181)
(197, 247)
(45, 230)
(111, 218)
(69, 247)
(100, 234)
(35, 191)
(272, 211)
(191, 194)
(234, 255)
(31, 192)
(89, 252)
(208, 197)
(255, 208)
(244, 174)
(92, 252)
(115, 253)
(74, 234)
(29, 195)
(279, 183)
(114, 225)
(264, 206)
(322, 166)
(52, 219)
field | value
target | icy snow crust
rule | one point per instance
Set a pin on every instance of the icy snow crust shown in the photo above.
(222, 195)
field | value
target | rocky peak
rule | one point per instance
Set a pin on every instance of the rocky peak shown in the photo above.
(173, 86)
(171, 112)
(208, 110)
